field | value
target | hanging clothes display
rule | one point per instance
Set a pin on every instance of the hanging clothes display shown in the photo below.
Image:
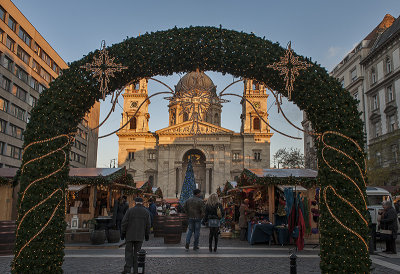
(301, 227)
(288, 192)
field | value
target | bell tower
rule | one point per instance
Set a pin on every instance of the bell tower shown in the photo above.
(134, 95)
(256, 93)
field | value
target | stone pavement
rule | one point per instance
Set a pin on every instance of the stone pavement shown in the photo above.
(233, 256)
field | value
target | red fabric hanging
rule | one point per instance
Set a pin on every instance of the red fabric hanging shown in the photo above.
(302, 229)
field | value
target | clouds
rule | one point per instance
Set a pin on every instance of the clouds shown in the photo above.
(333, 52)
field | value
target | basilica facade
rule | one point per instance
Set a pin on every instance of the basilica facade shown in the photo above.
(218, 154)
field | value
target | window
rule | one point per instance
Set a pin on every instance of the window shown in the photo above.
(36, 66)
(373, 76)
(21, 74)
(45, 75)
(395, 153)
(28, 117)
(375, 103)
(342, 82)
(376, 128)
(235, 156)
(355, 96)
(388, 65)
(137, 86)
(82, 133)
(41, 88)
(23, 55)
(389, 91)
(8, 63)
(392, 123)
(17, 112)
(152, 155)
(1, 35)
(32, 101)
(37, 49)
(256, 85)
(131, 155)
(2, 14)
(132, 123)
(378, 158)
(14, 152)
(6, 84)
(45, 58)
(353, 74)
(185, 116)
(216, 118)
(16, 131)
(12, 23)
(34, 84)
(10, 44)
(83, 147)
(3, 126)
(257, 156)
(24, 36)
(3, 104)
(19, 92)
(2, 146)
(256, 123)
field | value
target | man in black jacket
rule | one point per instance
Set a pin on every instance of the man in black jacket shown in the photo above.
(135, 228)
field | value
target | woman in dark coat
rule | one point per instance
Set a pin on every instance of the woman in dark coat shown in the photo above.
(389, 222)
(213, 214)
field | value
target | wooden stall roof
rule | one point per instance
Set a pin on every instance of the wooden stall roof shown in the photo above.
(80, 172)
(285, 172)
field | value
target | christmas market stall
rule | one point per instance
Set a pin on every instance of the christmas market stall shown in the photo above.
(287, 207)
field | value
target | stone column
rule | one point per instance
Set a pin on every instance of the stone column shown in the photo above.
(208, 189)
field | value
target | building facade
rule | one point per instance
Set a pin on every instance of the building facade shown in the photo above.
(27, 65)
(370, 72)
(218, 155)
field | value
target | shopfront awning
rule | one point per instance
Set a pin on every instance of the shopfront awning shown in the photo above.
(76, 188)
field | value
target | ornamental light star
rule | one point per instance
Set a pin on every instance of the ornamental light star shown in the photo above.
(289, 66)
(103, 67)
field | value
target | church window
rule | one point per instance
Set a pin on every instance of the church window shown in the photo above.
(137, 86)
(216, 120)
(152, 155)
(185, 116)
(132, 123)
(257, 155)
(131, 155)
(235, 156)
(256, 86)
(256, 123)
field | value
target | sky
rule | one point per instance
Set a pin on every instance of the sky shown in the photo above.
(321, 29)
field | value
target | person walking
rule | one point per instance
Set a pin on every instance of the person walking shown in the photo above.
(213, 215)
(120, 210)
(243, 211)
(152, 210)
(389, 223)
(135, 228)
(194, 208)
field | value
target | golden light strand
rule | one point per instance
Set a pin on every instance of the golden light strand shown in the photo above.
(70, 138)
(326, 146)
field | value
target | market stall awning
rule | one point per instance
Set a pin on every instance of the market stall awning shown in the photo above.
(295, 187)
(76, 188)
(285, 172)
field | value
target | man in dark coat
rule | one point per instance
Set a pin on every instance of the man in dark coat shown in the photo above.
(389, 222)
(194, 208)
(153, 210)
(135, 228)
(120, 210)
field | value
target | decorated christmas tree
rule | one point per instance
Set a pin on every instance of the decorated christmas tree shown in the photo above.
(188, 184)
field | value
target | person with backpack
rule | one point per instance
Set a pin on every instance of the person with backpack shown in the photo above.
(213, 215)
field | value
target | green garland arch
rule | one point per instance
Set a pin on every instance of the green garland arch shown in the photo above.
(60, 108)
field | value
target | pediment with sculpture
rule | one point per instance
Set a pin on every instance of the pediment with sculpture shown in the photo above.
(187, 128)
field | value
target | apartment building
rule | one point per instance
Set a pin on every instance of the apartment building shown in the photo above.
(27, 65)
(370, 72)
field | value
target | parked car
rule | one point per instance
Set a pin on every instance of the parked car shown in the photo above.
(376, 196)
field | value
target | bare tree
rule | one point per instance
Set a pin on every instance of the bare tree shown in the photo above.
(291, 158)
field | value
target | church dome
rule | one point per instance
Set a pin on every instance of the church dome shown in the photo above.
(195, 80)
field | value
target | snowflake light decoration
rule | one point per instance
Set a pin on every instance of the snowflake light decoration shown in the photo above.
(103, 67)
(289, 66)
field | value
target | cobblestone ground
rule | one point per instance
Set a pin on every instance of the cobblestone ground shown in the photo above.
(233, 256)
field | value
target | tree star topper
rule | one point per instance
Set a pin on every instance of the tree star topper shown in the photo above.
(289, 65)
(103, 67)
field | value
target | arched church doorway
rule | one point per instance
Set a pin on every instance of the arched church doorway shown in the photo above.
(199, 167)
